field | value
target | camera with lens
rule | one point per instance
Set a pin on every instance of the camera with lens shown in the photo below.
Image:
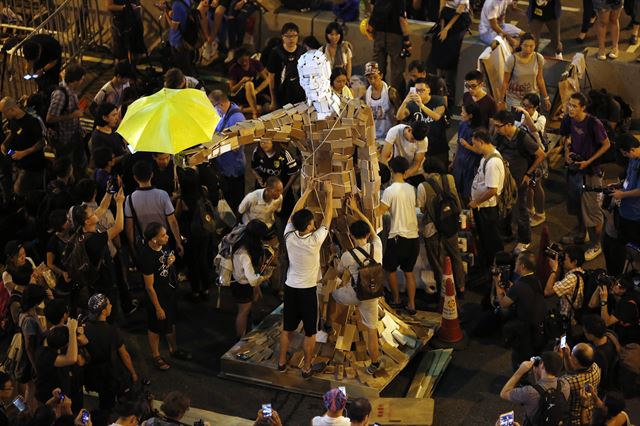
(536, 361)
(553, 250)
(603, 279)
(504, 271)
(405, 53)
(573, 167)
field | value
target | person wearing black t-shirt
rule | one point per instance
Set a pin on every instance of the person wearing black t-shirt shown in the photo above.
(158, 272)
(620, 311)
(526, 296)
(52, 358)
(104, 135)
(86, 220)
(284, 82)
(164, 173)
(271, 159)
(605, 347)
(43, 54)
(25, 146)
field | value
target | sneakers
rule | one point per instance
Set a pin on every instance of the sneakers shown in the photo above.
(321, 336)
(592, 252)
(373, 367)
(559, 56)
(315, 368)
(520, 247)
(537, 219)
(574, 237)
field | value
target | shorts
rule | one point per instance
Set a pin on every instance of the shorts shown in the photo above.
(242, 293)
(166, 325)
(585, 203)
(368, 308)
(300, 304)
(401, 252)
(606, 5)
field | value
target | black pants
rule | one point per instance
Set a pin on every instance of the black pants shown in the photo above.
(614, 254)
(183, 59)
(233, 191)
(587, 14)
(526, 341)
(489, 241)
(199, 252)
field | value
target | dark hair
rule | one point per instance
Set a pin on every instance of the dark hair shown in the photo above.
(359, 409)
(31, 50)
(57, 220)
(595, 325)
(175, 404)
(241, 52)
(504, 258)
(254, 233)
(152, 230)
(54, 311)
(123, 70)
(474, 75)
(575, 253)
(552, 362)
(103, 110)
(218, 95)
(483, 136)
(289, 26)
(334, 26)
(79, 216)
(473, 109)
(533, 98)
(421, 80)
(73, 73)
(128, 408)
(417, 65)
(504, 117)
(85, 190)
(62, 167)
(173, 78)
(528, 36)
(272, 181)
(311, 42)
(301, 219)
(58, 337)
(335, 73)
(142, 171)
(102, 157)
(626, 281)
(626, 142)
(359, 229)
(32, 295)
(419, 129)
(528, 260)
(434, 165)
(581, 98)
(399, 164)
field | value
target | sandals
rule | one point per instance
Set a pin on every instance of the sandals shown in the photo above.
(160, 363)
(181, 354)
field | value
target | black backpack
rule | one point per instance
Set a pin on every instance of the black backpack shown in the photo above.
(203, 221)
(191, 33)
(75, 259)
(553, 408)
(447, 212)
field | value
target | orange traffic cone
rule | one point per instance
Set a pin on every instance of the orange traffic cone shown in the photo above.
(542, 268)
(447, 273)
(450, 333)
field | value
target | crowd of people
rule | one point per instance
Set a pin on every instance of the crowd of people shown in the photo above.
(83, 217)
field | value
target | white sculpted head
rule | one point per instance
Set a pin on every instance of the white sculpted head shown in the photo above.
(315, 75)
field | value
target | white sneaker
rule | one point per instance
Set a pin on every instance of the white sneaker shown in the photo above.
(520, 247)
(592, 253)
(322, 336)
(559, 55)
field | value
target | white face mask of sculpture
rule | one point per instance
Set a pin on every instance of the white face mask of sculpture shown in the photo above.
(315, 78)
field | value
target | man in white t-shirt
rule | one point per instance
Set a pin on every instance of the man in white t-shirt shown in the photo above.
(263, 203)
(403, 245)
(487, 185)
(304, 243)
(366, 239)
(492, 22)
(410, 142)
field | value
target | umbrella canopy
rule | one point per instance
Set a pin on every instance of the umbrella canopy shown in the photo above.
(169, 121)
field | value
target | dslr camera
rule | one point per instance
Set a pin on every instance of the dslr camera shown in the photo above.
(603, 279)
(573, 167)
(553, 250)
(504, 271)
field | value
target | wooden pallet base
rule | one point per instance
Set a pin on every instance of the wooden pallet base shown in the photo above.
(254, 358)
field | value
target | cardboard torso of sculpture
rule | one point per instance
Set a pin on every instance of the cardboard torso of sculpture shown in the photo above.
(336, 139)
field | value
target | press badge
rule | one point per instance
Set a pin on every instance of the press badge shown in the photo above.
(537, 11)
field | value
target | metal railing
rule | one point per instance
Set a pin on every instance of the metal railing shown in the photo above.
(76, 24)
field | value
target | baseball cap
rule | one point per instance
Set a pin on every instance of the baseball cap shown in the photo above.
(334, 400)
(371, 68)
(96, 304)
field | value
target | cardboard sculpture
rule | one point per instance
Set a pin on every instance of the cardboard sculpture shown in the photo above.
(336, 139)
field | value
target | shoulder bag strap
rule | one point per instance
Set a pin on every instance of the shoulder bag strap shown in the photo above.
(571, 301)
(356, 258)
(368, 256)
(136, 223)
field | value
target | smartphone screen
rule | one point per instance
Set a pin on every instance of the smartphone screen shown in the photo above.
(343, 390)
(266, 410)
(19, 404)
(412, 90)
(563, 341)
(85, 417)
(506, 419)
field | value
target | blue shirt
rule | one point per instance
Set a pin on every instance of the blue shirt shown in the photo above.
(179, 12)
(232, 163)
(630, 207)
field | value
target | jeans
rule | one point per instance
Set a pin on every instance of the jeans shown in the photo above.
(521, 213)
(437, 248)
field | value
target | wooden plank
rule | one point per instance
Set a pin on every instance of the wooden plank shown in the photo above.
(402, 411)
(344, 344)
(421, 372)
(394, 353)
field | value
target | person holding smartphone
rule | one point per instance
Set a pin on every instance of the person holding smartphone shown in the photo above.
(8, 409)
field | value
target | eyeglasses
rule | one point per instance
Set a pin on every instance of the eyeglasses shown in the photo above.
(527, 106)
(470, 85)
(499, 126)
(421, 90)
(290, 35)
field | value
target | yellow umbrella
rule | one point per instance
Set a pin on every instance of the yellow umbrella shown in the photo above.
(169, 121)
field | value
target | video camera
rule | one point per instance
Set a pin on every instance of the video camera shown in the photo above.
(553, 250)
